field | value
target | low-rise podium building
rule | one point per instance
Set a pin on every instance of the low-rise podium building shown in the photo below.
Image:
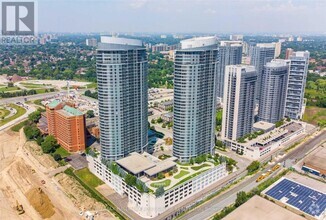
(179, 184)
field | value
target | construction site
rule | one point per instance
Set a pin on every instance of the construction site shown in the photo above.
(33, 185)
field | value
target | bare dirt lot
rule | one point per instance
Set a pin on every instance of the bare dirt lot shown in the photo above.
(77, 193)
(44, 159)
(9, 142)
(33, 180)
(22, 181)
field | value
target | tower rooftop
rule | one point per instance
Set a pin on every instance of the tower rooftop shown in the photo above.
(198, 42)
(121, 41)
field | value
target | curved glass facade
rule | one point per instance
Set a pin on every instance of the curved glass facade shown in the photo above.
(194, 102)
(122, 94)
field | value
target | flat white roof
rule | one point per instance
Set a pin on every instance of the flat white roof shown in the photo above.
(258, 208)
(278, 63)
(266, 45)
(247, 68)
(121, 41)
(198, 42)
(160, 167)
(135, 163)
(263, 125)
(231, 43)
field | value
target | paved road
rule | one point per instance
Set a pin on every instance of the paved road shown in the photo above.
(300, 152)
(29, 97)
(38, 96)
(19, 119)
(216, 204)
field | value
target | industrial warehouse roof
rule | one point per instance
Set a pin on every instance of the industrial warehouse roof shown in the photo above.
(54, 103)
(135, 163)
(258, 208)
(316, 160)
(298, 196)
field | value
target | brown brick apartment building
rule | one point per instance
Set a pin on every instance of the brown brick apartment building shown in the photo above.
(67, 125)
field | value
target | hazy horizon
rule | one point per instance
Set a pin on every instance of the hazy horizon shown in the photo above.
(182, 16)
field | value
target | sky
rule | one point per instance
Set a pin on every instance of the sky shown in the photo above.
(183, 16)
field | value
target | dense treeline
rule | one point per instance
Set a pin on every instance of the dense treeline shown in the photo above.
(22, 93)
(93, 95)
(160, 72)
(316, 90)
(59, 59)
(315, 45)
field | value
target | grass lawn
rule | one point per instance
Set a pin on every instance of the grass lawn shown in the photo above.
(20, 112)
(62, 152)
(32, 85)
(190, 177)
(184, 168)
(164, 183)
(314, 114)
(9, 89)
(181, 174)
(183, 164)
(87, 177)
(91, 85)
(38, 102)
(40, 91)
(17, 127)
(4, 112)
(200, 166)
(96, 195)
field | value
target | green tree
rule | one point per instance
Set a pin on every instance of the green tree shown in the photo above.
(39, 140)
(311, 85)
(218, 143)
(254, 166)
(31, 132)
(34, 116)
(90, 114)
(219, 115)
(159, 120)
(241, 198)
(88, 93)
(130, 180)
(191, 161)
(57, 157)
(279, 123)
(160, 176)
(49, 144)
(159, 191)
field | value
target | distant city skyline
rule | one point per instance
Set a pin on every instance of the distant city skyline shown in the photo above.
(181, 16)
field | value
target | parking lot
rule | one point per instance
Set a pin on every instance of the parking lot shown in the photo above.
(77, 161)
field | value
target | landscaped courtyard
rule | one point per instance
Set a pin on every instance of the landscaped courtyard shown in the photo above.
(182, 173)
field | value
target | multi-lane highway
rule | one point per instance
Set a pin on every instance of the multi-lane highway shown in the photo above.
(29, 97)
(208, 209)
